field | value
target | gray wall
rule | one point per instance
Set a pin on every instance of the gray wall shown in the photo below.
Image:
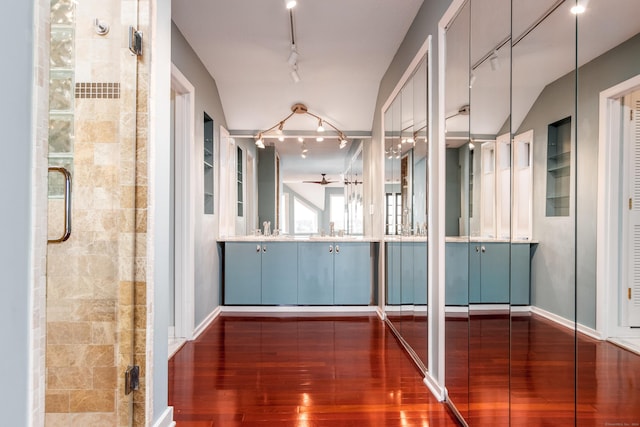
(16, 165)
(267, 186)
(454, 190)
(207, 99)
(552, 269)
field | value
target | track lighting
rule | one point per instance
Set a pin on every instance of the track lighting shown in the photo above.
(578, 9)
(293, 56)
(472, 79)
(290, 4)
(494, 61)
(294, 74)
(278, 128)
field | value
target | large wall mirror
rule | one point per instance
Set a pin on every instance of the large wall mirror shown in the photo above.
(539, 314)
(405, 195)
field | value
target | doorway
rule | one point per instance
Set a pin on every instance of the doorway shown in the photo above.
(182, 210)
(618, 252)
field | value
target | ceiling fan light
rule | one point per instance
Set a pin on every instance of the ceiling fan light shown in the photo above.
(279, 130)
(290, 4)
(343, 143)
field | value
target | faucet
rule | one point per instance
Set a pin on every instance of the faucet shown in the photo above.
(332, 230)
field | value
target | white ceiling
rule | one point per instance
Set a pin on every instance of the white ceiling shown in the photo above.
(344, 49)
(544, 55)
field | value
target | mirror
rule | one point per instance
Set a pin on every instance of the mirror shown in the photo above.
(406, 160)
(458, 196)
(525, 180)
(303, 185)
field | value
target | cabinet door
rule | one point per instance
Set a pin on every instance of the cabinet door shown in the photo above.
(242, 266)
(456, 273)
(407, 277)
(315, 273)
(352, 273)
(393, 273)
(279, 273)
(520, 267)
(420, 273)
(475, 272)
(494, 274)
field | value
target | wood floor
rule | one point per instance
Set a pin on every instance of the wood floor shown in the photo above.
(298, 371)
(309, 372)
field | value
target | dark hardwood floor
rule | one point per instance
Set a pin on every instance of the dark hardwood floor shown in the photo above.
(351, 371)
(299, 371)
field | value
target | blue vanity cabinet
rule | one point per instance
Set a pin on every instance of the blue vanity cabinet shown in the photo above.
(243, 269)
(489, 272)
(456, 273)
(520, 274)
(352, 273)
(393, 272)
(315, 273)
(420, 273)
(406, 276)
(279, 273)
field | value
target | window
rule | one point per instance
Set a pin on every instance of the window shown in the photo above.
(558, 167)
(393, 206)
(336, 211)
(240, 181)
(305, 218)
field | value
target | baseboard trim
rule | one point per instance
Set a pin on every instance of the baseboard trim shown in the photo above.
(337, 310)
(206, 322)
(436, 389)
(166, 419)
(569, 324)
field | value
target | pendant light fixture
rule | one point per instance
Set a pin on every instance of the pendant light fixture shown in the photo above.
(277, 129)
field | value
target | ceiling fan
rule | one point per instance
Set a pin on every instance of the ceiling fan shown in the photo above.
(323, 181)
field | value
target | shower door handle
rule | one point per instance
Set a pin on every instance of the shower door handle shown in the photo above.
(67, 203)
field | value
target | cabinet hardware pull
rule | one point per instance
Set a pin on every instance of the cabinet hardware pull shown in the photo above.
(330, 249)
(477, 248)
(264, 248)
(337, 249)
(257, 248)
(483, 249)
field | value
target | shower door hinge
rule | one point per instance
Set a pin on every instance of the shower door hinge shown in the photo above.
(135, 41)
(629, 293)
(630, 203)
(131, 379)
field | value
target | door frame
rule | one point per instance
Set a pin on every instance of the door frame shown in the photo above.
(608, 212)
(184, 205)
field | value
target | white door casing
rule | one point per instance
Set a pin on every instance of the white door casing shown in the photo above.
(488, 190)
(631, 211)
(522, 186)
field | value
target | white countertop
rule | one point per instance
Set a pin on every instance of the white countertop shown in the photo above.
(346, 239)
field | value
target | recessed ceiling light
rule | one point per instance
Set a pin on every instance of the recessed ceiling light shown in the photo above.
(578, 9)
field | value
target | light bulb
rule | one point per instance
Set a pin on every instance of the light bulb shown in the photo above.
(578, 9)
(319, 139)
(300, 139)
(281, 138)
(290, 4)
(320, 127)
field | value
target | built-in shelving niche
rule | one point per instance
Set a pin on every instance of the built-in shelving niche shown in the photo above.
(558, 167)
(208, 165)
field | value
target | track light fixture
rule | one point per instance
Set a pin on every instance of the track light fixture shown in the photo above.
(290, 4)
(277, 129)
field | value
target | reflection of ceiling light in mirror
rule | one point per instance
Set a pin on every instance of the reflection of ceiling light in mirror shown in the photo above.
(472, 79)
(300, 139)
(303, 155)
(343, 143)
(471, 146)
(578, 9)
(320, 127)
(294, 75)
(319, 139)
(494, 62)
(290, 4)
(293, 56)
(281, 138)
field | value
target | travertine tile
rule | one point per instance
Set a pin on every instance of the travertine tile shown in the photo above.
(103, 332)
(105, 378)
(57, 402)
(92, 401)
(73, 378)
(68, 333)
(93, 419)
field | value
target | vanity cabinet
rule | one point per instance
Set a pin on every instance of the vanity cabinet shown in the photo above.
(243, 273)
(334, 273)
(260, 273)
(489, 273)
(456, 273)
(406, 272)
(494, 275)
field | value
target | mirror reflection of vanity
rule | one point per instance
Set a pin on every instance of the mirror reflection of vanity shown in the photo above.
(405, 196)
(521, 189)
